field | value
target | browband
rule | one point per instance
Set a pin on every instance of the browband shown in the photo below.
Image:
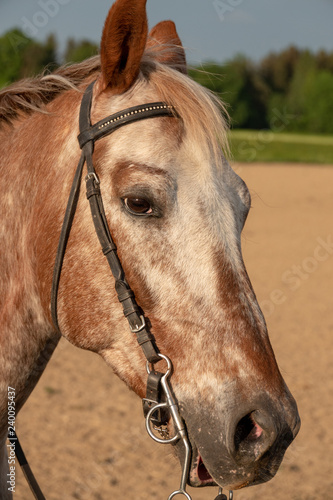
(113, 122)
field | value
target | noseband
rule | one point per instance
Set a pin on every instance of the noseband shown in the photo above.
(159, 405)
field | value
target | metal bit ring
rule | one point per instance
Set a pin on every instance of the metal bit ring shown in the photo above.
(150, 432)
(169, 365)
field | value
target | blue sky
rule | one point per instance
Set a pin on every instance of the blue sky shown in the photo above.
(209, 29)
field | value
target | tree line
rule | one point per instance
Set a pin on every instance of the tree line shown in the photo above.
(287, 91)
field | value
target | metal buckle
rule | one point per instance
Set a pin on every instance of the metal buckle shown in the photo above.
(92, 175)
(139, 328)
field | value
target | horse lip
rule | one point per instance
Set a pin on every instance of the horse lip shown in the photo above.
(199, 475)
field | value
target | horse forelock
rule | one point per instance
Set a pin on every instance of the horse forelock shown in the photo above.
(203, 113)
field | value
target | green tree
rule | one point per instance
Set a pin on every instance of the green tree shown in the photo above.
(290, 90)
(318, 102)
(79, 51)
(324, 60)
(277, 70)
(239, 85)
(296, 96)
(22, 57)
(38, 56)
(12, 45)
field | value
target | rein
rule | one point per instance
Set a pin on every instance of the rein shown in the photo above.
(160, 403)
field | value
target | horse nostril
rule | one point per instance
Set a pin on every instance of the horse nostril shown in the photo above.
(255, 433)
(247, 431)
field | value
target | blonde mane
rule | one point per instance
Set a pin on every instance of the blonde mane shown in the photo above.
(201, 110)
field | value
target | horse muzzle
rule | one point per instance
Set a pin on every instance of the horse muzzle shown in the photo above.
(238, 447)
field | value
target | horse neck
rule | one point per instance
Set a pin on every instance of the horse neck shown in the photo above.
(37, 159)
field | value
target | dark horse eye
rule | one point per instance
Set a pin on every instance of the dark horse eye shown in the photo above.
(138, 206)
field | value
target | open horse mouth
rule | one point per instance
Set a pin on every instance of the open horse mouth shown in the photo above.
(199, 475)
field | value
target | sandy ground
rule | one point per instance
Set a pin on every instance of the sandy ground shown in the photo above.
(82, 429)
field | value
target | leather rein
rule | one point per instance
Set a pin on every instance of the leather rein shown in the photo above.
(160, 404)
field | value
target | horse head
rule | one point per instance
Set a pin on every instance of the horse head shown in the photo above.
(176, 210)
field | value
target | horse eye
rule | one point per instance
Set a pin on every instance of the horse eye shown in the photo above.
(138, 206)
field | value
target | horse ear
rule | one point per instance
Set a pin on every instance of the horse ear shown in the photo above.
(123, 43)
(164, 41)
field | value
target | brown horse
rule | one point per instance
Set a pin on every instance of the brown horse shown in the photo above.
(175, 210)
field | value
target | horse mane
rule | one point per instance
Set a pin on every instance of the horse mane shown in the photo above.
(200, 109)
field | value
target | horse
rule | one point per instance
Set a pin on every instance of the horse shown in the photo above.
(175, 210)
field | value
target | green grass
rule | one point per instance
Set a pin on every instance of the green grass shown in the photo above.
(264, 145)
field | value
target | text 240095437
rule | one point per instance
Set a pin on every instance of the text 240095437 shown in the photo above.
(11, 433)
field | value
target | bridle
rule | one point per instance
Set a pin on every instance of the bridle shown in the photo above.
(160, 403)
(88, 136)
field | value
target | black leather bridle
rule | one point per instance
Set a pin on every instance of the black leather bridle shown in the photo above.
(89, 134)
